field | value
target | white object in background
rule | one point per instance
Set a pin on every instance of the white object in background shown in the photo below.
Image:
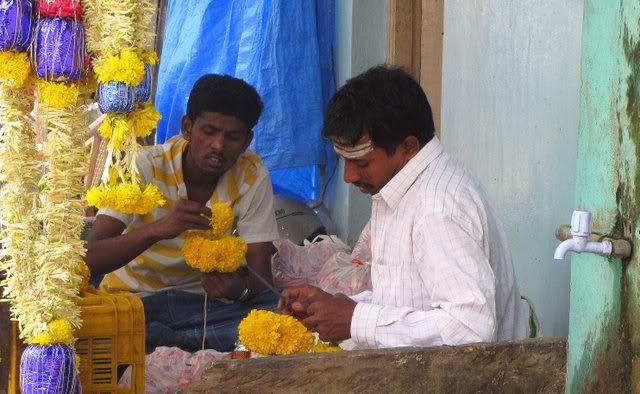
(579, 242)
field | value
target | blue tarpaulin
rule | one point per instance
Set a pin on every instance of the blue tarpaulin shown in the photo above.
(281, 47)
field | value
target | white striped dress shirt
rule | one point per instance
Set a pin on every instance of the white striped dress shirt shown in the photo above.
(441, 271)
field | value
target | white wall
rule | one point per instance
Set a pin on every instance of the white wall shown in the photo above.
(361, 40)
(510, 112)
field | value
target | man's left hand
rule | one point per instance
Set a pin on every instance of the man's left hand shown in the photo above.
(331, 317)
(223, 285)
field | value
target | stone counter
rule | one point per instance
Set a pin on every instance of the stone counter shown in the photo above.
(531, 366)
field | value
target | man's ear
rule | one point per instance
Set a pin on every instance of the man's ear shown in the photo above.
(185, 125)
(411, 145)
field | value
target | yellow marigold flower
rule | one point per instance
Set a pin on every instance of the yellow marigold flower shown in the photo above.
(129, 198)
(58, 94)
(85, 274)
(221, 218)
(150, 57)
(322, 347)
(144, 120)
(116, 129)
(126, 68)
(98, 197)
(59, 331)
(266, 332)
(15, 69)
(205, 253)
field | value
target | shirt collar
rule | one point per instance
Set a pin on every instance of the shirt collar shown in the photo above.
(398, 186)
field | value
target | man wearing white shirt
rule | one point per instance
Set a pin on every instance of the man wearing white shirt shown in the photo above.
(441, 271)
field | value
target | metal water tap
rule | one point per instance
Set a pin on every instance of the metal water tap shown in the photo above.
(579, 241)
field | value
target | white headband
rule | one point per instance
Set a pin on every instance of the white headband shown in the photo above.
(363, 147)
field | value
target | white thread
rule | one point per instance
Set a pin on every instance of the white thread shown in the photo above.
(204, 332)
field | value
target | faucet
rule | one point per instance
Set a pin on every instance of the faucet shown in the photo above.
(579, 241)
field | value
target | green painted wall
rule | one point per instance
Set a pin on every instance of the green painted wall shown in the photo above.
(604, 320)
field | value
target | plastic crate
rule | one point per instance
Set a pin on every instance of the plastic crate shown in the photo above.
(111, 339)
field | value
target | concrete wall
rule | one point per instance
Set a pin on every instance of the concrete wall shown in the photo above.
(510, 112)
(361, 42)
(604, 320)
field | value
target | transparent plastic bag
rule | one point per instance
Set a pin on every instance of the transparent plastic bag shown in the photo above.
(170, 369)
(295, 265)
(342, 274)
(362, 251)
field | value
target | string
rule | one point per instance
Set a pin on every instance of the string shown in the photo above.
(204, 329)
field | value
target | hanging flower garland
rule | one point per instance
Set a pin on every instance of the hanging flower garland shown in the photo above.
(19, 172)
(211, 250)
(58, 61)
(120, 35)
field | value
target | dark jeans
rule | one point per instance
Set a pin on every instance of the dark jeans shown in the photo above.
(176, 318)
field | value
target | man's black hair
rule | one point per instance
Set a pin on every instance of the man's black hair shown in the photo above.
(226, 95)
(384, 102)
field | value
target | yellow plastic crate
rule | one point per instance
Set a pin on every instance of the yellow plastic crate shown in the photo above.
(111, 339)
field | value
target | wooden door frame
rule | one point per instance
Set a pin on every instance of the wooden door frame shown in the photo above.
(415, 32)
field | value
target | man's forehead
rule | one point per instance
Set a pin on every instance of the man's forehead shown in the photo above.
(353, 152)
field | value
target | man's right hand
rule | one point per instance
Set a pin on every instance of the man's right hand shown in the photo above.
(296, 300)
(185, 215)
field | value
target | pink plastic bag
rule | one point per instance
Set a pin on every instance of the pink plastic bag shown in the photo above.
(296, 265)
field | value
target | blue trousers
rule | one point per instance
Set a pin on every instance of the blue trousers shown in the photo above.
(176, 318)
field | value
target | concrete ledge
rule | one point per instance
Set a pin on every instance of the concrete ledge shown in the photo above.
(534, 365)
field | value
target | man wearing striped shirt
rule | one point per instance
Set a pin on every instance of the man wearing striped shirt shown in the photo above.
(440, 271)
(207, 163)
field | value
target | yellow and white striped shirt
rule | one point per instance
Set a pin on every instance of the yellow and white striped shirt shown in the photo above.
(246, 187)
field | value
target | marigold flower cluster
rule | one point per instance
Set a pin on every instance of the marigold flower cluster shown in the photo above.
(58, 94)
(211, 251)
(125, 67)
(59, 332)
(15, 69)
(322, 347)
(126, 197)
(266, 332)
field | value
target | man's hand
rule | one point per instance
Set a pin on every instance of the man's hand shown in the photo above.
(331, 317)
(223, 285)
(296, 300)
(328, 315)
(185, 215)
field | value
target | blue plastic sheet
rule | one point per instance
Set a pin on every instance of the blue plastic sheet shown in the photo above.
(283, 48)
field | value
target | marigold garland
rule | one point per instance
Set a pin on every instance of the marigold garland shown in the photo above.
(126, 197)
(266, 332)
(144, 120)
(15, 69)
(116, 129)
(126, 67)
(202, 252)
(120, 34)
(221, 219)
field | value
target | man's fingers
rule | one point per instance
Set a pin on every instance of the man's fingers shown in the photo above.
(194, 207)
(311, 322)
(197, 222)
